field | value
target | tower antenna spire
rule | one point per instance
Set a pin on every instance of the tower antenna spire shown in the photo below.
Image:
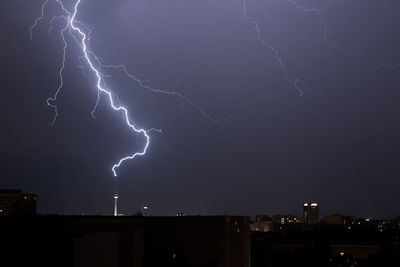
(116, 197)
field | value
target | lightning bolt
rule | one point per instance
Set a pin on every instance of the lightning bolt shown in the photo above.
(44, 4)
(81, 34)
(294, 82)
(83, 37)
(339, 47)
(60, 75)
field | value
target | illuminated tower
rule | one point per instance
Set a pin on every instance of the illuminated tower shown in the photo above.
(116, 198)
(115, 204)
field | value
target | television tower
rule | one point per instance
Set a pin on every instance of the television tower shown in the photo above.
(116, 198)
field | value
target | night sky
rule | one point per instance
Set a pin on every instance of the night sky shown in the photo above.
(337, 144)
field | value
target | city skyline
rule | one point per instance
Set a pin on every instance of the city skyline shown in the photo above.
(310, 213)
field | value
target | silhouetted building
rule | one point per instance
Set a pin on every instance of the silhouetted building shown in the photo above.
(286, 223)
(285, 219)
(336, 219)
(261, 226)
(262, 223)
(396, 223)
(326, 246)
(263, 218)
(145, 211)
(311, 213)
(188, 241)
(17, 203)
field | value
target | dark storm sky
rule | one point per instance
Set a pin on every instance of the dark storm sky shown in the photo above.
(338, 144)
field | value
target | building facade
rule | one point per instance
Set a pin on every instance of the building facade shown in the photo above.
(80, 241)
(17, 203)
(336, 219)
(311, 213)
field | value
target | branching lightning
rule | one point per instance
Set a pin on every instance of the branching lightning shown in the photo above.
(81, 34)
(172, 93)
(73, 25)
(61, 77)
(339, 47)
(44, 4)
(295, 82)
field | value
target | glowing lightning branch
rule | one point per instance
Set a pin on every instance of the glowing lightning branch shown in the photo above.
(44, 4)
(74, 27)
(171, 93)
(61, 77)
(52, 22)
(81, 34)
(340, 48)
(294, 82)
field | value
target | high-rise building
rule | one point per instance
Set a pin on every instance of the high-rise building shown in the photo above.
(311, 213)
(17, 203)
